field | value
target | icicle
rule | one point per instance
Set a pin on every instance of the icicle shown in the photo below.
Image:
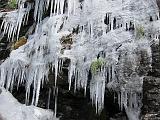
(55, 107)
(71, 73)
(113, 73)
(47, 4)
(37, 92)
(71, 7)
(49, 97)
(62, 2)
(34, 92)
(91, 28)
(55, 6)
(36, 9)
(58, 6)
(76, 80)
(121, 98)
(97, 91)
(13, 21)
(51, 8)
(56, 71)
(27, 95)
(109, 75)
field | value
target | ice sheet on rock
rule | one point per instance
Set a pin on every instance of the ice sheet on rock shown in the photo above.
(11, 109)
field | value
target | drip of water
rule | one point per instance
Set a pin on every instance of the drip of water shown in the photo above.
(49, 97)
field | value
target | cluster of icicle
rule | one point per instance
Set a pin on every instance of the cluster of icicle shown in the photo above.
(13, 20)
(31, 63)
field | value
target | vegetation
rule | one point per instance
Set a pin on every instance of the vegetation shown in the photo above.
(97, 65)
(12, 4)
(140, 32)
(19, 43)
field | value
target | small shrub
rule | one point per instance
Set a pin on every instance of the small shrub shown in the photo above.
(97, 65)
(140, 32)
(12, 4)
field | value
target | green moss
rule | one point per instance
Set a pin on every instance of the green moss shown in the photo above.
(12, 4)
(97, 65)
(140, 32)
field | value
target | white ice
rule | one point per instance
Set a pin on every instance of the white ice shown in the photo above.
(11, 109)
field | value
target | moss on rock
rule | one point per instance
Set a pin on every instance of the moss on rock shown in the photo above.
(19, 43)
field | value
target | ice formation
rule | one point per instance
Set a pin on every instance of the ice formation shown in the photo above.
(98, 29)
(13, 20)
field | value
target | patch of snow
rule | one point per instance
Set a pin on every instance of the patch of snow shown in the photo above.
(11, 109)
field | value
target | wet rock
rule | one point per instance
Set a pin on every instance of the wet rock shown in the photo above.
(119, 116)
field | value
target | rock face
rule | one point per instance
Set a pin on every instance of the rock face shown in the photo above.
(151, 98)
(151, 87)
(155, 60)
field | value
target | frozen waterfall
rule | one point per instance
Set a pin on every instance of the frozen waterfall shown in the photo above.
(92, 39)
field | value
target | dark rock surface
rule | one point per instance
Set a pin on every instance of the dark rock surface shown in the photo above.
(155, 60)
(3, 3)
(151, 98)
(151, 87)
